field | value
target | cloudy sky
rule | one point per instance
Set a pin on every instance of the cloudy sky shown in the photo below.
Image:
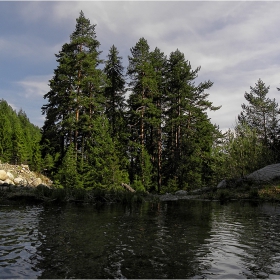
(235, 43)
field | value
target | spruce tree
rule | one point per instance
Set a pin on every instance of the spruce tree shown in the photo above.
(68, 174)
(102, 169)
(6, 145)
(115, 91)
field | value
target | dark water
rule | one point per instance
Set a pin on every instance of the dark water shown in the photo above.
(183, 239)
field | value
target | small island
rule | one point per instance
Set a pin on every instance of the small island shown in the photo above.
(109, 134)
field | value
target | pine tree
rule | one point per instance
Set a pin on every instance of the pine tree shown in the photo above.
(75, 113)
(76, 90)
(156, 115)
(189, 132)
(262, 114)
(143, 84)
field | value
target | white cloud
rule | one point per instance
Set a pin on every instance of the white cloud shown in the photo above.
(235, 43)
(35, 86)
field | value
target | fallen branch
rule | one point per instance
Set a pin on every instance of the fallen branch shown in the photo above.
(127, 187)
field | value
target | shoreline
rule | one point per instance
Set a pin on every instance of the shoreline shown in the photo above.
(45, 194)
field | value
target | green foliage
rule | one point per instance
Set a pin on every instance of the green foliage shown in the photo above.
(262, 115)
(19, 139)
(137, 185)
(171, 186)
(76, 96)
(158, 139)
(102, 169)
(114, 92)
(244, 153)
(68, 175)
(188, 131)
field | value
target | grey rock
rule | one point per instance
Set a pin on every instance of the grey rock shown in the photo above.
(168, 197)
(199, 191)
(222, 184)
(181, 193)
(266, 174)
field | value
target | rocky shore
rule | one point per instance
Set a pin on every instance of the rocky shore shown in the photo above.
(21, 176)
(17, 182)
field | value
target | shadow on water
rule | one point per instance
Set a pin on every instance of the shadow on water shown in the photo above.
(146, 241)
(176, 239)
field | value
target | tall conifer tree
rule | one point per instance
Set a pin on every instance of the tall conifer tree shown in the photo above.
(156, 115)
(261, 113)
(189, 132)
(115, 91)
(76, 88)
(76, 106)
(142, 84)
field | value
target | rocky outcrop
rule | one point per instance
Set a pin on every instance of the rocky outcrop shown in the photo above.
(20, 175)
(266, 174)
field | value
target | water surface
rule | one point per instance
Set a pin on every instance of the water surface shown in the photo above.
(176, 239)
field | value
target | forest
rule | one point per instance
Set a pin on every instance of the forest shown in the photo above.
(146, 126)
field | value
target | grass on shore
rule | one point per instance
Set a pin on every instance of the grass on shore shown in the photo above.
(262, 192)
(265, 192)
(64, 195)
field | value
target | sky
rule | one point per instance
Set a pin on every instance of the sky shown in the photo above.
(234, 43)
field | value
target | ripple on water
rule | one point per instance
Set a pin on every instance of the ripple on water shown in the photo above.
(18, 243)
(176, 241)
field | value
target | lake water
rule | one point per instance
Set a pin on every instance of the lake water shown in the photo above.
(176, 239)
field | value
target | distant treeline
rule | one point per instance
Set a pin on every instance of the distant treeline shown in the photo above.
(19, 139)
(146, 126)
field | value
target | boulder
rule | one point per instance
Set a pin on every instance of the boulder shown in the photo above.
(168, 197)
(10, 176)
(181, 193)
(266, 174)
(36, 182)
(25, 166)
(9, 181)
(3, 175)
(222, 184)
(18, 181)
